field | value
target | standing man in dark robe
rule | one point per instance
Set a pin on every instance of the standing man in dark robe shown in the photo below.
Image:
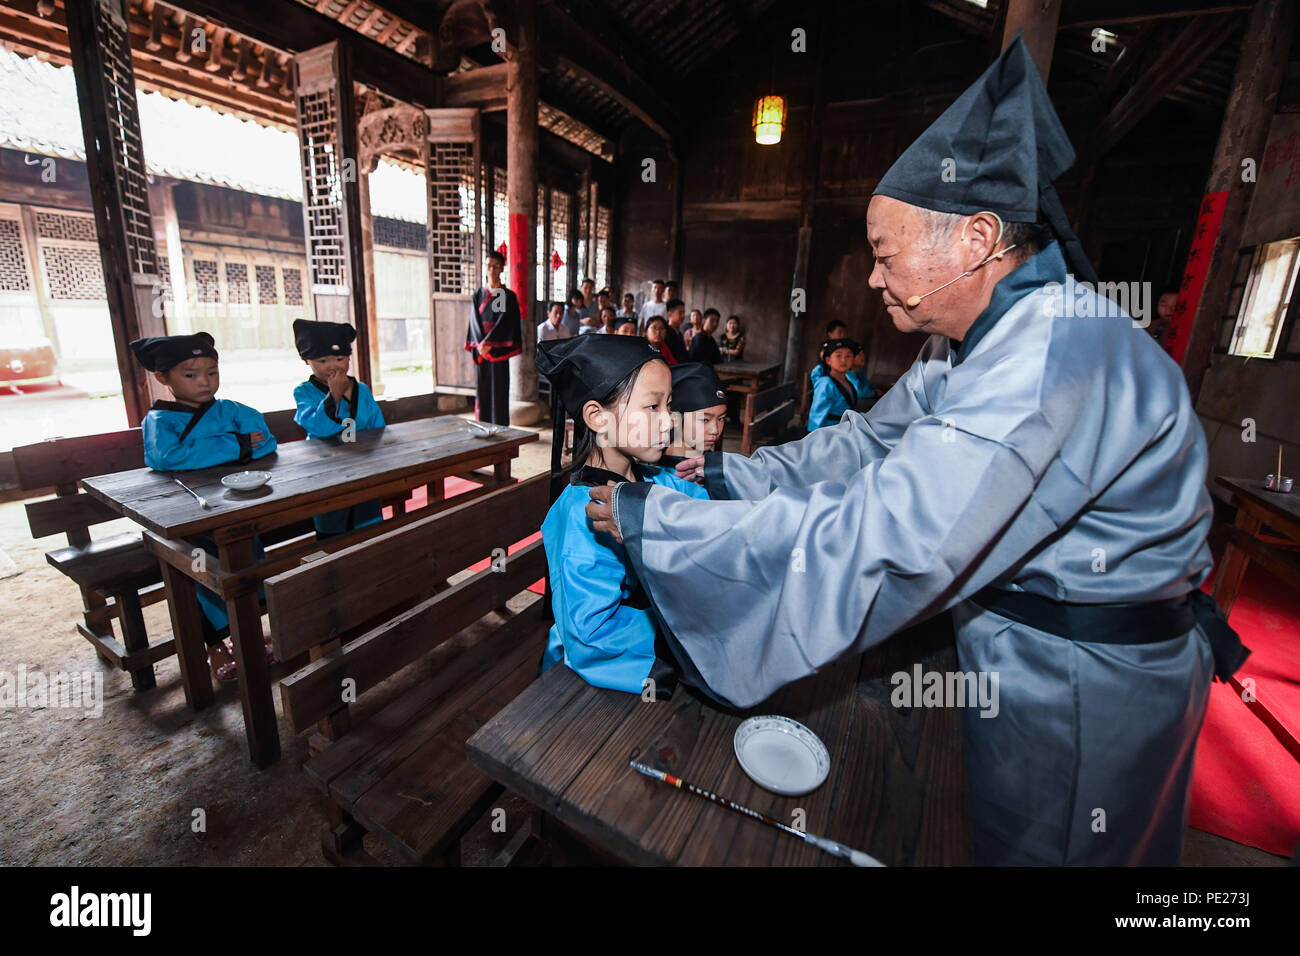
(1039, 471)
(493, 338)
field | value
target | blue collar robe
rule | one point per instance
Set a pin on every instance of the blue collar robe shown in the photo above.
(601, 630)
(1054, 451)
(321, 416)
(181, 437)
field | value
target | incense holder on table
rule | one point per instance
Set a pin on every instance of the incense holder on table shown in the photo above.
(1279, 483)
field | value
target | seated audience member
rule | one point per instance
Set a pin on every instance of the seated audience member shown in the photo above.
(733, 341)
(704, 345)
(554, 327)
(656, 332)
(838, 388)
(694, 324)
(626, 327)
(835, 329)
(676, 316)
(629, 307)
(574, 317)
(606, 322)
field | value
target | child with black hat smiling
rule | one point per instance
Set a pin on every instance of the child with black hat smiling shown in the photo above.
(198, 430)
(617, 388)
(330, 402)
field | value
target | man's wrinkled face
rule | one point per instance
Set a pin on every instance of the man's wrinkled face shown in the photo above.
(908, 263)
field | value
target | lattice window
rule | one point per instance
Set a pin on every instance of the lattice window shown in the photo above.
(14, 276)
(164, 279)
(267, 294)
(237, 283)
(56, 225)
(500, 209)
(327, 235)
(292, 285)
(559, 260)
(451, 217)
(400, 235)
(207, 286)
(543, 270)
(73, 272)
(604, 224)
(126, 150)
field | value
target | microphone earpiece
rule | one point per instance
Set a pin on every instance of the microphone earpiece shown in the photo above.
(914, 301)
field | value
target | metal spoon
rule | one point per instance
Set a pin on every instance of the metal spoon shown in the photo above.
(203, 502)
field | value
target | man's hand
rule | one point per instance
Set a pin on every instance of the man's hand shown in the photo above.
(485, 350)
(601, 510)
(692, 469)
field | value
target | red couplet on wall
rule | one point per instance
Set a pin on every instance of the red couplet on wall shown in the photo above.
(1198, 264)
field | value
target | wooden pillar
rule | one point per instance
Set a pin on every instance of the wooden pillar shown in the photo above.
(331, 207)
(178, 321)
(1037, 19)
(371, 314)
(27, 230)
(99, 42)
(521, 173)
(1251, 105)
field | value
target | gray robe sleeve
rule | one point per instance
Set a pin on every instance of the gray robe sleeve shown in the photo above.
(825, 454)
(761, 593)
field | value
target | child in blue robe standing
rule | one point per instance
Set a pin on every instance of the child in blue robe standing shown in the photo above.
(617, 390)
(198, 430)
(332, 403)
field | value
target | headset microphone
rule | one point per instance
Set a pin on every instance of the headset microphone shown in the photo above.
(915, 300)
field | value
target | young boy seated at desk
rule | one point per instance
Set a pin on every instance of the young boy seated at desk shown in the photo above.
(617, 390)
(330, 403)
(700, 404)
(198, 430)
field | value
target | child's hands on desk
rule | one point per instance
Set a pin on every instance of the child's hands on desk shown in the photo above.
(601, 510)
(256, 438)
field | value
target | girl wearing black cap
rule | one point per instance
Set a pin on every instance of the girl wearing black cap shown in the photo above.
(700, 407)
(617, 389)
(837, 388)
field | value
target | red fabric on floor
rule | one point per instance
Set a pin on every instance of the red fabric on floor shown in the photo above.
(1246, 784)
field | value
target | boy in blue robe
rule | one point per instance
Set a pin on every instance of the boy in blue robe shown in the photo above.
(617, 390)
(330, 403)
(837, 388)
(198, 430)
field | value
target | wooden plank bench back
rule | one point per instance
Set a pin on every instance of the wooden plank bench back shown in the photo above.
(767, 414)
(369, 611)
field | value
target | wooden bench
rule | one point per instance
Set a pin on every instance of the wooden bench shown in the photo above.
(767, 415)
(367, 612)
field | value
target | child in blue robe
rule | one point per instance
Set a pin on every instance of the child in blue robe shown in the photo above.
(700, 408)
(330, 403)
(617, 389)
(837, 387)
(198, 430)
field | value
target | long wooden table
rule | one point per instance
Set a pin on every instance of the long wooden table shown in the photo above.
(896, 789)
(307, 478)
(1257, 507)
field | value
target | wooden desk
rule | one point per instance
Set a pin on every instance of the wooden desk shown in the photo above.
(897, 786)
(1257, 507)
(307, 478)
(745, 377)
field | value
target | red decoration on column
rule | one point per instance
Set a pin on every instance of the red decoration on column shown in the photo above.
(502, 248)
(1198, 263)
(556, 261)
(520, 281)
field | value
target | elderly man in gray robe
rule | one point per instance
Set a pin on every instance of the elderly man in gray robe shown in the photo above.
(1039, 470)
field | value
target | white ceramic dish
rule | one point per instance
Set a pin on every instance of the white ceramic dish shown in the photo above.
(781, 755)
(246, 480)
(480, 430)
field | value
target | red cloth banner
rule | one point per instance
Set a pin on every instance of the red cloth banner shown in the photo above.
(1198, 264)
(520, 280)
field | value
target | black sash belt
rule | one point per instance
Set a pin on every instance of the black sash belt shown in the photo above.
(1146, 623)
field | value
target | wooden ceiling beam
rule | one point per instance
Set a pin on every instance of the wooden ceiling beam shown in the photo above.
(1198, 39)
(1106, 13)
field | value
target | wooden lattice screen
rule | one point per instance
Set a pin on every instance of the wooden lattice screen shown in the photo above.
(456, 218)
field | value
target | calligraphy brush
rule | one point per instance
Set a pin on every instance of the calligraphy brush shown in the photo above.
(856, 857)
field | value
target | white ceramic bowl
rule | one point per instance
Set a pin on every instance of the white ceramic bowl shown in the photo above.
(781, 755)
(246, 480)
